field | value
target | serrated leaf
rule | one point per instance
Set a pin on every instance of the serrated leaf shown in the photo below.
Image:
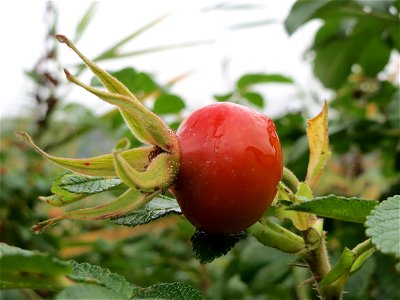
(80, 184)
(249, 79)
(383, 226)
(157, 208)
(88, 292)
(30, 269)
(337, 207)
(207, 247)
(168, 291)
(318, 141)
(88, 273)
(168, 104)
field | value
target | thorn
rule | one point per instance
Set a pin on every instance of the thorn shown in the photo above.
(307, 281)
(298, 265)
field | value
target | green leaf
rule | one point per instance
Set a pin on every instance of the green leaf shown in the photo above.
(383, 226)
(85, 21)
(157, 208)
(337, 207)
(249, 79)
(88, 292)
(300, 13)
(28, 269)
(137, 82)
(254, 98)
(375, 56)
(113, 51)
(168, 291)
(88, 273)
(168, 104)
(207, 247)
(80, 184)
(222, 98)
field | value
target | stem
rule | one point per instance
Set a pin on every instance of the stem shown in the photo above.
(318, 262)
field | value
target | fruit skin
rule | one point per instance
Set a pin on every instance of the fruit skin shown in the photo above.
(231, 163)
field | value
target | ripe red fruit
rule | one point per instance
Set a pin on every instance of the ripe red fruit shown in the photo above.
(231, 163)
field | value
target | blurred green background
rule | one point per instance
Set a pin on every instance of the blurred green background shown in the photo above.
(354, 54)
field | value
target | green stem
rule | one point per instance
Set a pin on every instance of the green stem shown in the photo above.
(318, 262)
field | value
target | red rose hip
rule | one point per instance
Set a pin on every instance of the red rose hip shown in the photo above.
(231, 163)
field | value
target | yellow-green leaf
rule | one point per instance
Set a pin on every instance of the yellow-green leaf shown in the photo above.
(318, 140)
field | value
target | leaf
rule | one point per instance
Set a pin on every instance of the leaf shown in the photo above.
(168, 104)
(88, 292)
(135, 81)
(85, 21)
(168, 291)
(249, 79)
(112, 52)
(207, 247)
(80, 184)
(157, 208)
(383, 226)
(254, 98)
(337, 207)
(301, 220)
(125, 203)
(28, 269)
(300, 13)
(222, 98)
(375, 56)
(318, 140)
(88, 273)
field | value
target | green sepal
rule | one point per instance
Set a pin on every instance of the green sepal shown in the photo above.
(341, 269)
(159, 175)
(273, 235)
(102, 165)
(144, 124)
(123, 204)
(61, 200)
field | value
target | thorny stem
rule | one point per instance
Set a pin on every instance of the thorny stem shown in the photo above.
(318, 261)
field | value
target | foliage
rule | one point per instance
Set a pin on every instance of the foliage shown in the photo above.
(350, 53)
